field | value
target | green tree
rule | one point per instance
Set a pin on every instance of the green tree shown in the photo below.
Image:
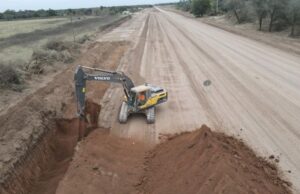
(276, 10)
(261, 9)
(185, 5)
(9, 14)
(88, 12)
(294, 14)
(51, 12)
(200, 7)
(41, 13)
(236, 6)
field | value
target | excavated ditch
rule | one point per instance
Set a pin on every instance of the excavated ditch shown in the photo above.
(47, 162)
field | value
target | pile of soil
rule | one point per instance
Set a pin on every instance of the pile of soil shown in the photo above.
(208, 162)
(198, 162)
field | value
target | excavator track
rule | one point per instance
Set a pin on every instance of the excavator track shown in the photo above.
(150, 113)
(123, 115)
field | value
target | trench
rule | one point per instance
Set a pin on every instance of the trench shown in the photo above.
(47, 162)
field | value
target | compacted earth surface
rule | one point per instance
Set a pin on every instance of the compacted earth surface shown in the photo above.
(245, 91)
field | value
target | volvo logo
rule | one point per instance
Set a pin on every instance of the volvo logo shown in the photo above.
(102, 78)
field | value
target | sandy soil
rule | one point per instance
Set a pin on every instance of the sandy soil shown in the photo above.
(207, 162)
(254, 91)
(197, 162)
(104, 164)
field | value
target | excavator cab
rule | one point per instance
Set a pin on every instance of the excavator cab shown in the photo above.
(142, 94)
(146, 97)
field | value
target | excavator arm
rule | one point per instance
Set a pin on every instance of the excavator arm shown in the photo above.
(97, 75)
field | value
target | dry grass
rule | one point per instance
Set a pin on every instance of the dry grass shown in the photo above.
(52, 52)
(43, 46)
(10, 78)
(14, 74)
(22, 44)
(59, 45)
(10, 28)
(83, 39)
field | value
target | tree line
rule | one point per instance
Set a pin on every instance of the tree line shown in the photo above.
(277, 15)
(27, 14)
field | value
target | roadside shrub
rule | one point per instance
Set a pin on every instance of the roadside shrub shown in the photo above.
(200, 7)
(55, 45)
(59, 45)
(42, 58)
(53, 51)
(83, 39)
(47, 56)
(39, 59)
(242, 10)
(65, 57)
(280, 24)
(9, 76)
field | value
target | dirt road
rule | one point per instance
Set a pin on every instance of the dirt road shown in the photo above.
(254, 91)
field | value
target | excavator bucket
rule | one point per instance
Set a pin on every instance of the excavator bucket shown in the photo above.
(80, 89)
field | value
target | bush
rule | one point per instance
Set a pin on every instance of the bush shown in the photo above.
(9, 76)
(59, 45)
(53, 51)
(55, 45)
(65, 57)
(42, 58)
(83, 39)
(200, 7)
(39, 59)
(280, 24)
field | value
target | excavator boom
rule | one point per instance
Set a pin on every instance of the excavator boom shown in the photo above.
(81, 77)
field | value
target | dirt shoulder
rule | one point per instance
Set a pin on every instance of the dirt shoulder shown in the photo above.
(277, 40)
(291, 45)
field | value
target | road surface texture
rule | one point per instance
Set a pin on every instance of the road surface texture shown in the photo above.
(253, 90)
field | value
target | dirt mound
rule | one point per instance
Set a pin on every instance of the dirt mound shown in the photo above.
(207, 162)
(198, 162)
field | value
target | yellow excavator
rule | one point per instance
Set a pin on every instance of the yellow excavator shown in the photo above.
(139, 99)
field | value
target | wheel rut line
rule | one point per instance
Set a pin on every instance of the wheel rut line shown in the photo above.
(168, 56)
(239, 53)
(210, 113)
(130, 63)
